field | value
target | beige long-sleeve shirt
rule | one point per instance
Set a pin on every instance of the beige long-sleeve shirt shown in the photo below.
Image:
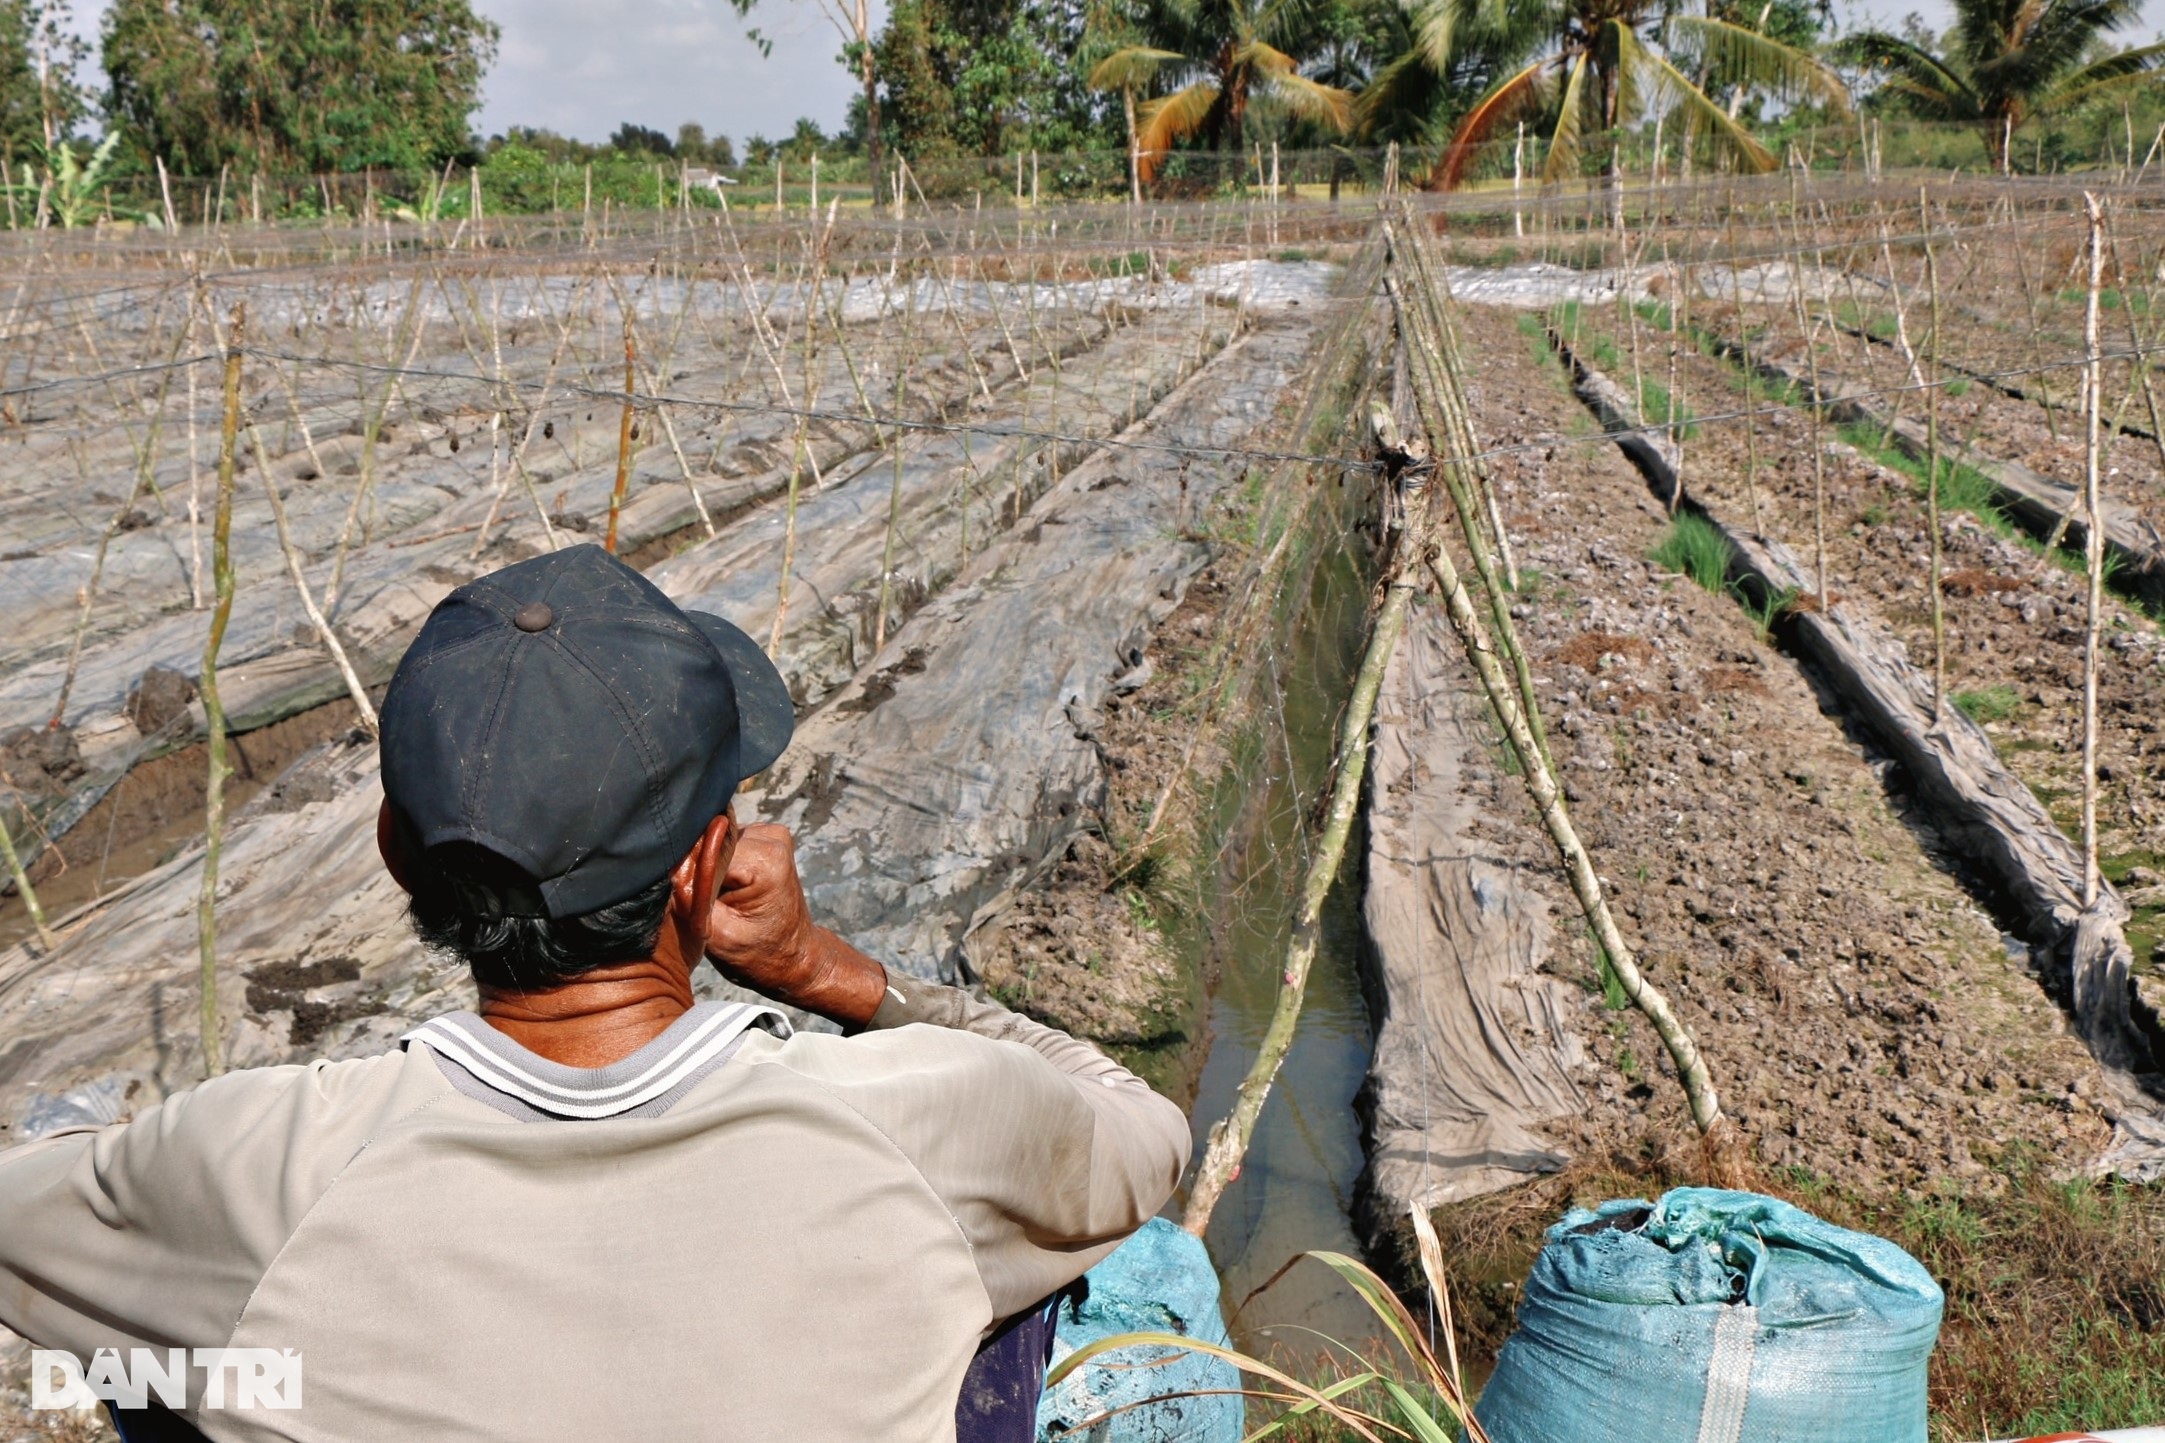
(730, 1235)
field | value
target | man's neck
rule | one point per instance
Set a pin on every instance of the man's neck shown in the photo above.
(603, 1017)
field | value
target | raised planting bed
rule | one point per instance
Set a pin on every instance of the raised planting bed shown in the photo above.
(1980, 808)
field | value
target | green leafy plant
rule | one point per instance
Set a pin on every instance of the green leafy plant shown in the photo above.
(1613, 996)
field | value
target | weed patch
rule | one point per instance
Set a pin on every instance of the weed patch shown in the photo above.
(1991, 704)
(1692, 547)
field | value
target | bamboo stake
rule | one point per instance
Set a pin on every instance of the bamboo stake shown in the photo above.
(1433, 346)
(1751, 390)
(1932, 473)
(802, 447)
(894, 494)
(330, 639)
(214, 806)
(90, 591)
(1819, 448)
(1679, 333)
(2044, 386)
(22, 883)
(195, 512)
(623, 434)
(1538, 771)
(1683, 1049)
(2093, 553)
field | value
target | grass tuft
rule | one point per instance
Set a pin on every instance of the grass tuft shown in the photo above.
(1991, 704)
(1692, 547)
(1771, 609)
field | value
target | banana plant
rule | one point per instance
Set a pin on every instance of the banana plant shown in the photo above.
(72, 191)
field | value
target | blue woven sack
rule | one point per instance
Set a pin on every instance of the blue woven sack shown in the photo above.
(1159, 1281)
(1715, 1317)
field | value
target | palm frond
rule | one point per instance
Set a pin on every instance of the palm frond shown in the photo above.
(1405, 86)
(1435, 32)
(1741, 56)
(1503, 103)
(1563, 157)
(1131, 67)
(2128, 69)
(1161, 123)
(2042, 41)
(1267, 59)
(1278, 20)
(1701, 116)
(1628, 70)
(1936, 91)
(1313, 100)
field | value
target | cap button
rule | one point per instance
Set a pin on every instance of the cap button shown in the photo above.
(534, 616)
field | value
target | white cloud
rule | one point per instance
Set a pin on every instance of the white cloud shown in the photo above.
(583, 68)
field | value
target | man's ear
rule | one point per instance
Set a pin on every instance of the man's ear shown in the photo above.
(389, 848)
(696, 882)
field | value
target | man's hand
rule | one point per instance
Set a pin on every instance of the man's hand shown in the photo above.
(761, 935)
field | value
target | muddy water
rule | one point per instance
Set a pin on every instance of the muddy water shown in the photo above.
(1295, 1190)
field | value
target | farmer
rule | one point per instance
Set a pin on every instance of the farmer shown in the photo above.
(597, 1208)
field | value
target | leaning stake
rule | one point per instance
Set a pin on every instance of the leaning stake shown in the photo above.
(214, 806)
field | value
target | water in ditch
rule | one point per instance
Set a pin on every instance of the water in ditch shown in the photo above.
(1295, 1189)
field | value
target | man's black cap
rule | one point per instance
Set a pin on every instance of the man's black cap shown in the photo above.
(566, 715)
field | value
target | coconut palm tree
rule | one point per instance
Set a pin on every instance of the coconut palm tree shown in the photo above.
(1600, 64)
(1443, 60)
(1222, 53)
(2006, 60)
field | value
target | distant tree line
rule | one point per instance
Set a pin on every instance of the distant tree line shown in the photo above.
(276, 87)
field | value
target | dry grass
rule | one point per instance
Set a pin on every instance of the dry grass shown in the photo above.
(1586, 650)
(1975, 581)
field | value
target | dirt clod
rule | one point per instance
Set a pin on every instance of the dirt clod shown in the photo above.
(159, 698)
(41, 760)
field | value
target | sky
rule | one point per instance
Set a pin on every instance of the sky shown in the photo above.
(582, 67)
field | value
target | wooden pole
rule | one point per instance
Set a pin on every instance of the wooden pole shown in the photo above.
(214, 806)
(894, 493)
(165, 195)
